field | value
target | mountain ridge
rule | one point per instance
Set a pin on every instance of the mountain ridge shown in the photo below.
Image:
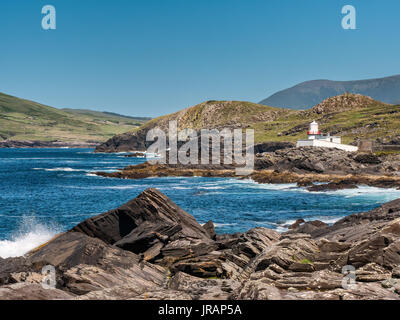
(309, 93)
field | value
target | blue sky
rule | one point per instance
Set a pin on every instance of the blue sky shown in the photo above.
(153, 57)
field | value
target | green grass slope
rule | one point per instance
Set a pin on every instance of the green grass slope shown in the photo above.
(108, 116)
(351, 116)
(22, 119)
(217, 114)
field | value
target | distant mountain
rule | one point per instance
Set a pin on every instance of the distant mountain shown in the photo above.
(22, 119)
(307, 94)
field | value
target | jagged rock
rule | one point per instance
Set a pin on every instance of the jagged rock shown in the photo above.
(368, 291)
(163, 295)
(287, 252)
(333, 186)
(203, 289)
(258, 290)
(396, 272)
(150, 224)
(367, 158)
(296, 224)
(128, 292)
(361, 226)
(125, 142)
(135, 155)
(272, 146)
(86, 264)
(209, 227)
(28, 291)
(301, 267)
(11, 266)
(304, 184)
(307, 227)
(307, 160)
(26, 277)
(372, 272)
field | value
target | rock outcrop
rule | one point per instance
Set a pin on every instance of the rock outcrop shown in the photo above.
(304, 166)
(327, 161)
(149, 248)
(150, 225)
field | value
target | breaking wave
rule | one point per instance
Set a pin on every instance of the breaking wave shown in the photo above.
(29, 235)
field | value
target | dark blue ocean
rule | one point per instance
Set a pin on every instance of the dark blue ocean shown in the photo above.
(45, 191)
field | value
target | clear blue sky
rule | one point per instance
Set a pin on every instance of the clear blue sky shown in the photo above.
(153, 57)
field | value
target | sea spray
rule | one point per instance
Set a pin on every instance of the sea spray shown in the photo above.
(29, 235)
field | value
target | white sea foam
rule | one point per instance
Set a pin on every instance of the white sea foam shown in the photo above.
(28, 236)
(283, 227)
(380, 194)
(268, 186)
(91, 175)
(210, 188)
(217, 225)
(66, 169)
(120, 187)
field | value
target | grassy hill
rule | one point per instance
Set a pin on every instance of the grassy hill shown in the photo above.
(22, 119)
(217, 114)
(310, 93)
(108, 116)
(352, 116)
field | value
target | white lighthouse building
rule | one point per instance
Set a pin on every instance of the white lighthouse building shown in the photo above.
(316, 139)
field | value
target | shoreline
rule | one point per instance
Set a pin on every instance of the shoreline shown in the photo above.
(146, 170)
(38, 144)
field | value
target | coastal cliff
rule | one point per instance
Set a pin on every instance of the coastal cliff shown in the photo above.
(149, 248)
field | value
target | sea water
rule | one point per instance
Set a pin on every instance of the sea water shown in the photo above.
(47, 191)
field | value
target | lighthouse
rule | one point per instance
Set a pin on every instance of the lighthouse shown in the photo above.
(317, 139)
(313, 132)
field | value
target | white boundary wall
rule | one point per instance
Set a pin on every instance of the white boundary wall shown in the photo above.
(326, 144)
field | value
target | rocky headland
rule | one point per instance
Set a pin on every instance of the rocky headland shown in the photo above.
(338, 169)
(359, 120)
(354, 117)
(149, 248)
(46, 144)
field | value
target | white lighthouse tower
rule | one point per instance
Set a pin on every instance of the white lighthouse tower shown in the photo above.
(314, 132)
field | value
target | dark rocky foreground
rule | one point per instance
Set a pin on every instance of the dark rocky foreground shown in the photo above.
(149, 248)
